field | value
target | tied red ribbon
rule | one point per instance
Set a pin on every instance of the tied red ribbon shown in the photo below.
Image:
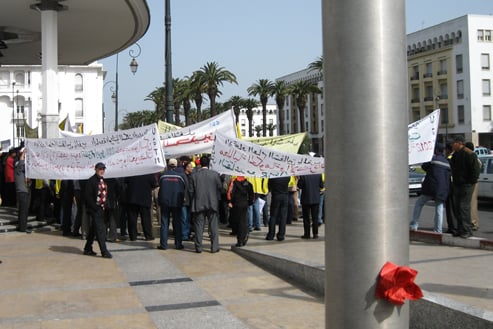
(396, 283)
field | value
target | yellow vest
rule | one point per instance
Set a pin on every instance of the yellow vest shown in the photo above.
(260, 185)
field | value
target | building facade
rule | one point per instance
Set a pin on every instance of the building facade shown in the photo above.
(450, 69)
(257, 120)
(80, 98)
(314, 109)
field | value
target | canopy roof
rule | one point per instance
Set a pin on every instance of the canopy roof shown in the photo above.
(88, 30)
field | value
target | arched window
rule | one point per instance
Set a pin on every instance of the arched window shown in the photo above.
(79, 107)
(79, 82)
(20, 78)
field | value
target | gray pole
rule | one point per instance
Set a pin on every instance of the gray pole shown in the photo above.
(167, 56)
(365, 72)
(116, 93)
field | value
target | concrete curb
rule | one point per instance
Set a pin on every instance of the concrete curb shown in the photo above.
(449, 240)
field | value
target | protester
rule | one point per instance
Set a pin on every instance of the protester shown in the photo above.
(449, 204)
(474, 198)
(139, 200)
(205, 193)
(465, 174)
(240, 195)
(95, 195)
(436, 186)
(310, 186)
(186, 226)
(278, 188)
(9, 195)
(172, 188)
(23, 189)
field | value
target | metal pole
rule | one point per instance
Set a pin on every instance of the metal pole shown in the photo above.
(17, 119)
(167, 56)
(116, 94)
(365, 72)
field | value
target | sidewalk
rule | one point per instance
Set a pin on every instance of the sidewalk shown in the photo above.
(45, 281)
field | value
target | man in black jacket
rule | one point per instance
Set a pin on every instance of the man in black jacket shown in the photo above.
(95, 195)
(465, 174)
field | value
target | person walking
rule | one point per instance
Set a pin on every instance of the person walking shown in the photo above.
(465, 174)
(95, 196)
(172, 188)
(205, 194)
(436, 186)
(310, 186)
(240, 195)
(278, 188)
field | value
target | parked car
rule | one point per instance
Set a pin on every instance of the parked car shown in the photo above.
(485, 182)
(480, 151)
(415, 181)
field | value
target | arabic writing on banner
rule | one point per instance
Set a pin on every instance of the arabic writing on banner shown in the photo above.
(198, 138)
(422, 136)
(129, 152)
(238, 157)
(285, 143)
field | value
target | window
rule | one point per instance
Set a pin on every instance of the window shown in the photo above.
(415, 97)
(79, 107)
(271, 121)
(485, 61)
(19, 78)
(416, 115)
(460, 113)
(460, 89)
(444, 115)
(428, 93)
(4, 79)
(480, 35)
(487, 35)
(242, 122)
(444, 91)
(429, 71)
(79, 83)
(458, 63)
(415, 75)
(486, 112)
(443, 67)
(486, 87)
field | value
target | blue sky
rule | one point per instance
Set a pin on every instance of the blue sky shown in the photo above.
(254, 39)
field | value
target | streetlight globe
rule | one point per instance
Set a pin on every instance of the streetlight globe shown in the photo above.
(133, 65)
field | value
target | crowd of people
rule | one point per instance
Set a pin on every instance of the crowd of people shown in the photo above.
(451, 181)
(185, 198)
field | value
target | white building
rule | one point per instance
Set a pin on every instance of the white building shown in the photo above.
(80, 97)
(450, 68)
(257, 120)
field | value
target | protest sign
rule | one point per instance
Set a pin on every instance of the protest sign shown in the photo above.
(284, 143)
(129, 152)
(422, 136)
(198, 138)
(238, 157)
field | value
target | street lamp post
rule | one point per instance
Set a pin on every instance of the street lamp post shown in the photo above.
(133, 68)
(168, 84)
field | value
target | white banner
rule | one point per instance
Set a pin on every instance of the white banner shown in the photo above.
(422, 136)
(238, 157)
(125, 153)
(198, 138)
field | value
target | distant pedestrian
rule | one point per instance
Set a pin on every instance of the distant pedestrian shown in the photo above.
(465, 174)
(205, 194)
(435, 187)
(95, 196)
(449, 204)
(474, 198)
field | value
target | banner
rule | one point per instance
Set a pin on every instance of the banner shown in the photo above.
(422, 136)
(285, 143)
(198, 138)
(164, 127)
(238, 157)
(129, 152)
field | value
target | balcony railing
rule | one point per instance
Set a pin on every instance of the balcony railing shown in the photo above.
(427, 75)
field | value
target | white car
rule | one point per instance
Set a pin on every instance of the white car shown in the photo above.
(485, 182)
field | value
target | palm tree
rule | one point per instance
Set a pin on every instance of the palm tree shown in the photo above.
(198, 88)
(258, 130)
(236, 102)
(280, 91)
(271, 127)
(138, 119)
(186, 99)
(158, 96)
(213, 76)
(263, 88)
(317, 65)
(250, 104)
(300, 90)
(177, 98)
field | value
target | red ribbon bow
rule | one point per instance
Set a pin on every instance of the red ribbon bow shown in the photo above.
(396, 283)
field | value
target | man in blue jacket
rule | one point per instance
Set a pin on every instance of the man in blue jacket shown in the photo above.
(435, 187)
(172, 188)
